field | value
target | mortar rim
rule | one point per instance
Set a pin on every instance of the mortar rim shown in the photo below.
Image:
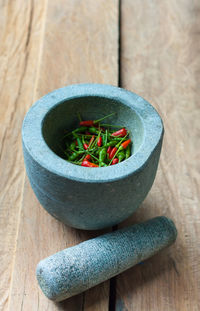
(38, 149)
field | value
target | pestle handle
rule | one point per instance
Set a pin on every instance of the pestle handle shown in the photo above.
(78, 268)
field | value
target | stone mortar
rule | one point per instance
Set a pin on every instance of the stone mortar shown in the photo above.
(90, 198)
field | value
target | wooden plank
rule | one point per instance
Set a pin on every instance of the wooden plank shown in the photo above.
(80, 45)
(20, 37)
(160, 61)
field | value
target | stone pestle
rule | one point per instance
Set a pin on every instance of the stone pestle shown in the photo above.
(78, 268)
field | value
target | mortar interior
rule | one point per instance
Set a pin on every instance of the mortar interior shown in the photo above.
(64, 117)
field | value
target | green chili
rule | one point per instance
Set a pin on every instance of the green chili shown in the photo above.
(128, 151)
(73, 156)
(80, 129)
(80, 144)
(72, 145)
(104, 139)
(102, 155)
(111, 143)
(121, 156)
(93, 130)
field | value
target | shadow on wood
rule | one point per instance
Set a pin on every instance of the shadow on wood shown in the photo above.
(73, 304)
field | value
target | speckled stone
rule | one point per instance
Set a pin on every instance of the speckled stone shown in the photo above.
(90, 198)
(87, 264)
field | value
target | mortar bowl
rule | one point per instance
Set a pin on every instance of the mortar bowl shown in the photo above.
(82, 197)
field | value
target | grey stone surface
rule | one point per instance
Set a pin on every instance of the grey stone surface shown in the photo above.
(90, 198)
(87, 264)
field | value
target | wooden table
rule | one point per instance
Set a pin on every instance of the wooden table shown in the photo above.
(150, 47)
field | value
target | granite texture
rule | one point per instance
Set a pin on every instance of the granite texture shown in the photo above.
(90, 198)
(78, 268)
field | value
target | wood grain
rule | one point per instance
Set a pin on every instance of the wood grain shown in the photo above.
(80, 45)
(20, 37)
(160, 61)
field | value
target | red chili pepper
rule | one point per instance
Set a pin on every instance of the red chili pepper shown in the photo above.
(115, 161)
(87, 157)
(87, 163)
(85, 146)
(92, 123)
(120, 133)
(99, 142)
(76, 143)
(125, 144)
(91, 140)
(87, 123)
(112, 153)
(109, 149)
